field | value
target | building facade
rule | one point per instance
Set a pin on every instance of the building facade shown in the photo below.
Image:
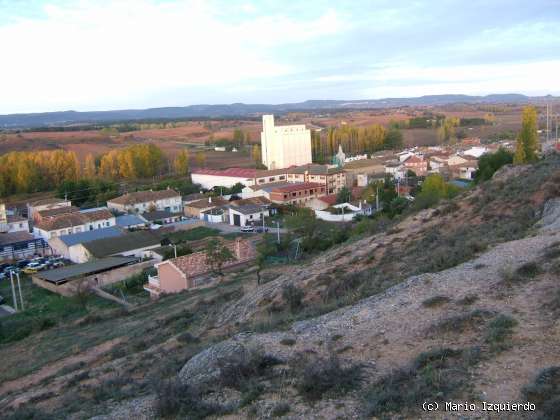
(146, 201)
(284, 146)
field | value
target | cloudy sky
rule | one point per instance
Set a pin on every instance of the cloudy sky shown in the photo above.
(100, 54)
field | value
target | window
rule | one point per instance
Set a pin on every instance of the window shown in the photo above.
(271, 179)
(261, 181)
(107, 224)
(282, 177)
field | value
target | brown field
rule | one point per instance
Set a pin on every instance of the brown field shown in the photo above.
(194, 134)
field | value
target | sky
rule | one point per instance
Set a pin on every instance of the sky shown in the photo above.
(99, 54)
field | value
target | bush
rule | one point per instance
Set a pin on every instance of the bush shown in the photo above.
(462, 322)
(439, 374)
(544, 392)
(280, 409)
(499, 331)
(293, 296)
(176, 399)
(242, 374)
(322, 376)
(435, 301)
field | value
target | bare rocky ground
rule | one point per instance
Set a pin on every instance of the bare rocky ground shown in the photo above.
(376, 303)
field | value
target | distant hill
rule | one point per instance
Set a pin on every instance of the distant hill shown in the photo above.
(240, 110)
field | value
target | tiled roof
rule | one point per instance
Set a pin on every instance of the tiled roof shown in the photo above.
(63, 221)
(10, 238)
(259, 201)
(270, 186)
(205, 203)
(192, 197)
(329, 199)
(90, 235)
(247, 209)
(413, 159)
(46, 201)
(231, 172)
(314, 169)
(271, 172)
(144, 197)
(152, 216)
(297, 187)
(58, 210)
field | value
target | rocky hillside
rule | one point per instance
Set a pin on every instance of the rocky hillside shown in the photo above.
(458, 303)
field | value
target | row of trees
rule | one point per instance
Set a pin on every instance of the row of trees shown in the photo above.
(24, 172)
(354, 140)
(137, 161)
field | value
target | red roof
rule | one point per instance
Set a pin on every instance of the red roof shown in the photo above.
(233, 172)
(329, 199)
(413, 159)
(298, 186)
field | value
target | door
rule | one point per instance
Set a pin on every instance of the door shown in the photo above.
(236, 220)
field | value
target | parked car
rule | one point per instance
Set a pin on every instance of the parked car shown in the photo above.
(22, 263)
(261, 230)
(8, 269)
(2, 275)
(33, 267)
(247, 229)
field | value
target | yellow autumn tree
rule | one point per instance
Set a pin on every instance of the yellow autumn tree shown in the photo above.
(181, 163)
(200, 158)
(90, 171)
(256, 154)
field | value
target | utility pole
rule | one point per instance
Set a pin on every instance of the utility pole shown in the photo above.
(13, 290)
(278, 231)
(175, 249)
(377, 198)
(20, 294)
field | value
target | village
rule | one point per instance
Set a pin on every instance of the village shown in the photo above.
(65, 249)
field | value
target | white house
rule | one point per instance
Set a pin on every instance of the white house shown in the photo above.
(10, 223)
(46, 204)
(248, 214)
(146, 201)
(284, 146)
(475, 151)
(76, 222)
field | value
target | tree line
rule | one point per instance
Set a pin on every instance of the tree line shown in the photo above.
(354, 141)
(27, 172)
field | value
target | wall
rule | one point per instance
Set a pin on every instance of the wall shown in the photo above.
(109, 277)
(210, 181)
(325, 215)
(171, 280)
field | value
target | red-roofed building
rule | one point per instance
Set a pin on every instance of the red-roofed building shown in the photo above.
(416, 164)
(297, 194)
(177, 274)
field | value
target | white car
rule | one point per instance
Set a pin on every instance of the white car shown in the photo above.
(247, 229)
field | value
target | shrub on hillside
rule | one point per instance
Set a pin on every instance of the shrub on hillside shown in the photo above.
(293, 296)
(544, 392)
(439, 374)
(499, 331)
(318, 377)
(174, 399)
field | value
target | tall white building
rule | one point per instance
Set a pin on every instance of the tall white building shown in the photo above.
(284, 146)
